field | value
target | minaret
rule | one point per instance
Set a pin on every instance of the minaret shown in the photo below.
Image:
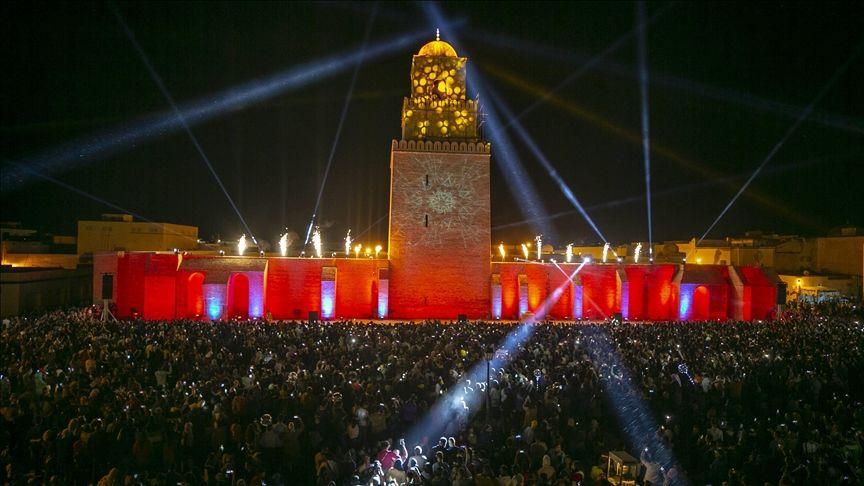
(440, 235)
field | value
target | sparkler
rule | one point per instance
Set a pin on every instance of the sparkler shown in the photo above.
(348, 241)
(501, 251)
(605, 251)
(636, 252)
(569, 252)
(316, 242)
(283, 244)
(357, 249)
(525, 250)
(378, 249)
(241, 245)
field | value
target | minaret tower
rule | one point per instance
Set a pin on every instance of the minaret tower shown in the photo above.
(440, 234)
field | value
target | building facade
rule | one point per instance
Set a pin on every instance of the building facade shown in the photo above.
(439, 256)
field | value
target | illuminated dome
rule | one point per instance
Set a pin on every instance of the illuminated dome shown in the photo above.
(437, 48)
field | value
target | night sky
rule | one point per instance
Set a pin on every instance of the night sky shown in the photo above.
(727, 81)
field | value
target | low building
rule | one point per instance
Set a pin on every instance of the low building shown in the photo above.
(120, 232)
(34, 290)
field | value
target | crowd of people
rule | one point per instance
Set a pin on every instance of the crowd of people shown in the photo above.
(85, 401)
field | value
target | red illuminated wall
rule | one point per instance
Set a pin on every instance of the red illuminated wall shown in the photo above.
(151, 285)
(145, 285)
(760, 292)
(440, 236)
(599, 291)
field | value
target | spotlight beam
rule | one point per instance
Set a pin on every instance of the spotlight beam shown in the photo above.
(588, 66)
(90, 148)
(81, 192)
(344, 112)
(633, 414)
(803, 116)
(457, 400)
(669, 81)
(643, 93)
(541, 157)
(517, 178)
(689, 187)
(635, 138)
(157, 79)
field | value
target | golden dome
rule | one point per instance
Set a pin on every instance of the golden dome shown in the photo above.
(437, 48)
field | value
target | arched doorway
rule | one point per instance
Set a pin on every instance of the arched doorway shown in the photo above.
(701, 301)
(238, 289)
(195, 295)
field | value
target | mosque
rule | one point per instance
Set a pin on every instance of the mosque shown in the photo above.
(439, 256)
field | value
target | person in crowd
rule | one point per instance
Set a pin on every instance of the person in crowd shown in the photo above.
(251, 402)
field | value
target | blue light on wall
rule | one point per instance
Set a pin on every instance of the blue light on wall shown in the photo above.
(685, 301)
(577, 302)
(383, 298)
(328, 299)
(256, 295)
(214, 300)
(523, 297)
(625, 300)
(496, 301)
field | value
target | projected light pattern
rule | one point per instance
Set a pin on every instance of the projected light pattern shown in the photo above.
(643, 95)
(465, 397)
(518, 181)
(157, 79)
(88, 149)
(541, 157)
(803, 116)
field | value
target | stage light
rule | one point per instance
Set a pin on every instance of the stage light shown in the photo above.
(586, 259)
(241, 245)
(605, 251)
(698, 260)
(357, 249)
(378, 249)
(636, 252)
(569, 252)
(316, 242)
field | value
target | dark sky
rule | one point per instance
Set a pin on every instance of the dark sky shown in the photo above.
(727, 82)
